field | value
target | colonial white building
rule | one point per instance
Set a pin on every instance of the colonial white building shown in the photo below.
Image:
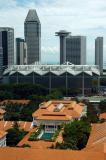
(52, 114)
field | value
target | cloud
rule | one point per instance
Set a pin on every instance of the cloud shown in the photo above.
(81, 17)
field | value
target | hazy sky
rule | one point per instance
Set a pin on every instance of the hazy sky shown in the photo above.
(81, 17)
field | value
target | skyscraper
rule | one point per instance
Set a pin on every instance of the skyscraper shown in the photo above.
(99, 53)
(7, 45)
(21, 51)
(32, 31)
(1, 55)
(62, 34)
(76, 49)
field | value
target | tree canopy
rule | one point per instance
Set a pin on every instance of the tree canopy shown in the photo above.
(14, 135)
(75, 135)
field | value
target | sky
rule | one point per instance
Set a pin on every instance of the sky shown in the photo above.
(80, 17)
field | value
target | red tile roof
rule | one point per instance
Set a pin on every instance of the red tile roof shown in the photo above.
(5, 125)
(42, 154)
(67, 111)
(15, 102)
(2, 134)
(97, 138)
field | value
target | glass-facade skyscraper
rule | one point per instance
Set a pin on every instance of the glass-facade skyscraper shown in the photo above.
(1, 55)
(99, 53)
(7, 45)
(76, 50)
(32, 31)
(21, 52)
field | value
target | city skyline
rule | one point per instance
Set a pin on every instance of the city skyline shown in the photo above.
(55, 15)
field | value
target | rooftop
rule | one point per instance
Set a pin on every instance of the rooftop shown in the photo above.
(54, 69)
(5, 125)
(14, 102)
(97, 139)
(58, 110)
(2, 133)
(42, 154)
(32, 16)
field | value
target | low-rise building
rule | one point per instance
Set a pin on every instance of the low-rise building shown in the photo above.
(20, 102)
(5, 125)
(3, 139)
(54, 113)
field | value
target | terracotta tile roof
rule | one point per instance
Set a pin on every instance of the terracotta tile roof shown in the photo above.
(14, 102)
(97, 138)
(67, 111)
(42, 154)
(66, 118)
(103, 116)
(5, 125)
(2, 133)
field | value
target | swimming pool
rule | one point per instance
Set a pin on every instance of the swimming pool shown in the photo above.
(47, 136)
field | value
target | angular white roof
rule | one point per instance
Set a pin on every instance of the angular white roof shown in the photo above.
(55, 69)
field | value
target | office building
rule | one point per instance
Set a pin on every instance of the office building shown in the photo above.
(62, 34)
(21, 51)
(76, 50)
(1, 55)
(32, 29)
(99, 52)
(1, 62)
(7, 45)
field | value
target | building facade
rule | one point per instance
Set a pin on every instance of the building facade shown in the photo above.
(1, 55)
(72, 78)
(99, 53)
(53, 114)
(76, 50)
(21, 52)
(32, 29)
(7, 45)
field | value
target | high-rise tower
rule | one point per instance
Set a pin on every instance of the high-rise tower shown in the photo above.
(21, 51)
(32, 31)
(76, 50)
(62, 34)
(1, 55)
(7, 45)
(99, 53)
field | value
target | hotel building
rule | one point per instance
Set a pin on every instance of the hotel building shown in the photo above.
(53, 114)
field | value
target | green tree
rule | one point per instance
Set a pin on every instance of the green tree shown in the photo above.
(92, 114)
(102, 106)
(56, 94)
(76, 134)
(14, 135)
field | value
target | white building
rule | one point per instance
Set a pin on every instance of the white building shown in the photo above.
(3, 139)
(53, 114)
